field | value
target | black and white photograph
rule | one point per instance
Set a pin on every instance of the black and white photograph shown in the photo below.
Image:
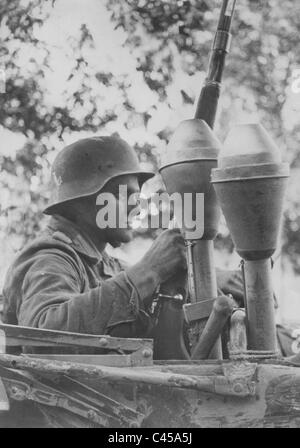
(150, 217)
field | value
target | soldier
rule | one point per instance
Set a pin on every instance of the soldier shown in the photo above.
(64, 279)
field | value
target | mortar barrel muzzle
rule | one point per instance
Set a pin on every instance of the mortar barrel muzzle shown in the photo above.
(186, 168)
(250, 184)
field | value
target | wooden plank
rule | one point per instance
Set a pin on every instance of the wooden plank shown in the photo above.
(276, 403)
(217, 384)
(129, 361)
(21, 336)
(104, 402)
(71, 395)
(189, 369)
(96, 360)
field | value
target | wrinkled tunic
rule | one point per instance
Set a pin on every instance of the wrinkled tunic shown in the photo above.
(61, 281)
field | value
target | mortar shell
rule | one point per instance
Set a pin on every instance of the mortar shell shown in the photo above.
(250, 184)
(186, 168)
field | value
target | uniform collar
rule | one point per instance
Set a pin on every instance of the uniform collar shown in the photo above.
(75, 237)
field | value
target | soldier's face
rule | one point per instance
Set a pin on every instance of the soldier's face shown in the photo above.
(116, 206)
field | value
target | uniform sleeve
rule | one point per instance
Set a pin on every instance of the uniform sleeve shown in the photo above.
(53, 298)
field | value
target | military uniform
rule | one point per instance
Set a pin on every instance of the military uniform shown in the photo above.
(62, 282)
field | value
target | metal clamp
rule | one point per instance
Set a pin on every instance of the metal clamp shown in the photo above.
(176, 297)
(241, 377)
(222, 41)
(198, 310)
(253, 355)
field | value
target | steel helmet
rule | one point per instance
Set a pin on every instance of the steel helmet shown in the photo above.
(84, 167)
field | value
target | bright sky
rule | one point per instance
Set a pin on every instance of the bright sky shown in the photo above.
(64, 23)
(112, 56)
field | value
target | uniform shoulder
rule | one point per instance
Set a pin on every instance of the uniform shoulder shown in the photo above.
(50, 244)
(62, 237)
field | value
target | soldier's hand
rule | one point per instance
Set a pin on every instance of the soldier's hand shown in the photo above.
(167, 255)
(164, 259)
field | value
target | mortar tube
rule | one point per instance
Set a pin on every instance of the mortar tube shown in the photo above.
(205, 283)
(260, 305)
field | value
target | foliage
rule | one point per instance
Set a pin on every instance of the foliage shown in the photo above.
(169, 43)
